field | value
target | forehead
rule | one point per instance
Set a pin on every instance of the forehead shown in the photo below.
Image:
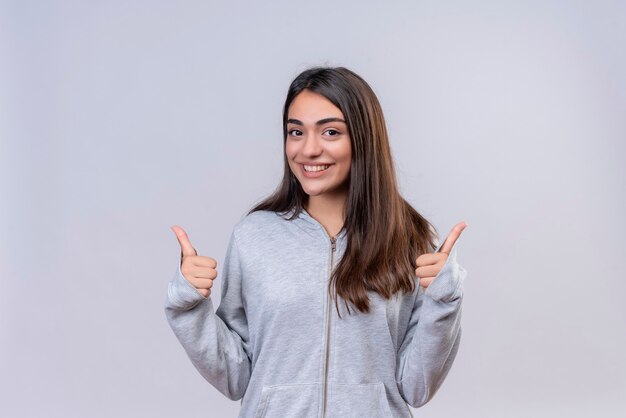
(313, 106)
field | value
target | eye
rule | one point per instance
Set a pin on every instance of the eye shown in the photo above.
(334, 130)
(293, 130)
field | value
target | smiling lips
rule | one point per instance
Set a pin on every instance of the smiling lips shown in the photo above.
(314, 170)
(316, 167)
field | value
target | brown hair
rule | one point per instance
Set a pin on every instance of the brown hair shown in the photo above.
(384, 233)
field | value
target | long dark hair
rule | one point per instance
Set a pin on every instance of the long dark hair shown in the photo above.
(384, 233)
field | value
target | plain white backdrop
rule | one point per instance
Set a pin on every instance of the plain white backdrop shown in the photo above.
(119, 119)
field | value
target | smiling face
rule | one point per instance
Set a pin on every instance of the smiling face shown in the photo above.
(317, 138)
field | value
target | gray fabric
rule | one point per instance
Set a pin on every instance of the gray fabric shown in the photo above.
(266, 342)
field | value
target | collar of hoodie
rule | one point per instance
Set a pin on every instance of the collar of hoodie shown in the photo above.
(306, 221)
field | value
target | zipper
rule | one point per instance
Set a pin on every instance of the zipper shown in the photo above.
(332, 250)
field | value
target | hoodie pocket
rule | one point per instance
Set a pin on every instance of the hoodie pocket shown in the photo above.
(295, 400)
(349, 400)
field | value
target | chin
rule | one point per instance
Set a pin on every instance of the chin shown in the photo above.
(312, 192)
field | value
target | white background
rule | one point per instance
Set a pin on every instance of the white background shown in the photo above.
(119, 119)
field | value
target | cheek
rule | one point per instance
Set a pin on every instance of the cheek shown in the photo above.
(346, 152)
(346, 170)
(346, 159)
(290, 154)
(290, 151)
(344, 165)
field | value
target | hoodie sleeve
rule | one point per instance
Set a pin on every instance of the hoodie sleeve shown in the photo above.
(216, 342)
(433, 335)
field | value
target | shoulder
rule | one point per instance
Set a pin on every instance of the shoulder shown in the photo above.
(255, 225)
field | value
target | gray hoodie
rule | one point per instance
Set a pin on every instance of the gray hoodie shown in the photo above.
(276, 342)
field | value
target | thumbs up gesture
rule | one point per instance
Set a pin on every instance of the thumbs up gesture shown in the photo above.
(198, 270)
(430, 264)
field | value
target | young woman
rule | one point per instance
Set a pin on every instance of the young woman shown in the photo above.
(320, 312)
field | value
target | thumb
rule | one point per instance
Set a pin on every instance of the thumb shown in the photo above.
(452, 237)
(185, 245)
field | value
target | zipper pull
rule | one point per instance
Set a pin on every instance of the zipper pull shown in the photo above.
(332, 242)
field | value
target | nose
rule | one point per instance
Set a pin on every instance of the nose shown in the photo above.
(312, 146)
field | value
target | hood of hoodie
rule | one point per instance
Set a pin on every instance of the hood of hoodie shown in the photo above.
(277, 344)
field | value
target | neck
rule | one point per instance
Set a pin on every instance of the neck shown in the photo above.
(329, 210)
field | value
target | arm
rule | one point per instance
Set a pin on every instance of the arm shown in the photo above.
(216, 342)
(433, 335)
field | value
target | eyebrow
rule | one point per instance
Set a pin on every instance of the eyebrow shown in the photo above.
(318, 123)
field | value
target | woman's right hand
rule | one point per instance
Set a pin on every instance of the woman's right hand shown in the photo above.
(198, 270)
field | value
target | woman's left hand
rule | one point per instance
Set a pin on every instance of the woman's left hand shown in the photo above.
(430, 264)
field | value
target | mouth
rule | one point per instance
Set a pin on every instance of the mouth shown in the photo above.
(314, 170)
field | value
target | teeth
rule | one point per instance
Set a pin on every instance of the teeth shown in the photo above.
(315, 167)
